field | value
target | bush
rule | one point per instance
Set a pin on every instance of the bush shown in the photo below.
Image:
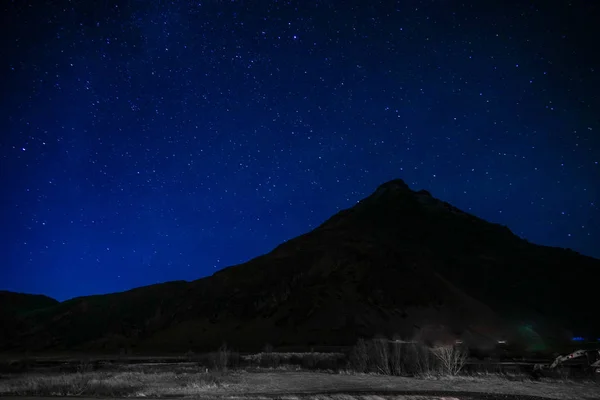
(190, 356)
(396, 361)
(268, 358)
(330, 363)
(405, 358)
(359, 356)
(380, 356)
(224, 359)
(295, 359)
(452, 358)
(419, 360)
(309, 360)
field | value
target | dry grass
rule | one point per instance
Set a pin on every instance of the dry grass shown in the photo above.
(281, 383)
(293, 361)
(115, 384)
(298, 385)
(384, 367)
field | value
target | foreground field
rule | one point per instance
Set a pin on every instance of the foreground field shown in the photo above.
(343, 396)
(286, 385)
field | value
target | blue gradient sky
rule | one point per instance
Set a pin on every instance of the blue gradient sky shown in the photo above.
(146, 141)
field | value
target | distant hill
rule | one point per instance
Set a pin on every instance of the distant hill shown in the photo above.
(16, 303)
(13, 309)
(399, 262)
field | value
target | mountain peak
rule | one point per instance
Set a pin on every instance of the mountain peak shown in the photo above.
(394, 184)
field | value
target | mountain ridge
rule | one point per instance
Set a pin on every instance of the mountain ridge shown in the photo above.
(398, 262)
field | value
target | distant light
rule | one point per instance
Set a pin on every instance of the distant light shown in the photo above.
(577, 339)
(501, 341)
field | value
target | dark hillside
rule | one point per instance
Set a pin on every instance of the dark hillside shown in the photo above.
(399, 262)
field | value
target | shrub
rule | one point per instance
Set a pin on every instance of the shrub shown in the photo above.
(419, 359)
(296, 359)
(309, 360)
(269, 358)
(396, 361)
(190, 356)
(359, 356)
(224, 358)
(405, 358)
(451, 358)
(379, 356)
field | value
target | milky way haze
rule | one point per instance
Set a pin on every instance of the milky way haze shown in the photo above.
(146, 141)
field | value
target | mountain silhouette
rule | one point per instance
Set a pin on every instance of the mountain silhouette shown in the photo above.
(399, 263)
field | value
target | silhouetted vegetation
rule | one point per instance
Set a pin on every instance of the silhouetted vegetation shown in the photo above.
(224, 359)
(225, 369)
(395, 357)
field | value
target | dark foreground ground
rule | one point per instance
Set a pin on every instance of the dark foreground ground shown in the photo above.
(290, 385)
(349, 396)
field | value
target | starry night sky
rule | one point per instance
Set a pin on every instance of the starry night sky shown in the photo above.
(147, 141)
